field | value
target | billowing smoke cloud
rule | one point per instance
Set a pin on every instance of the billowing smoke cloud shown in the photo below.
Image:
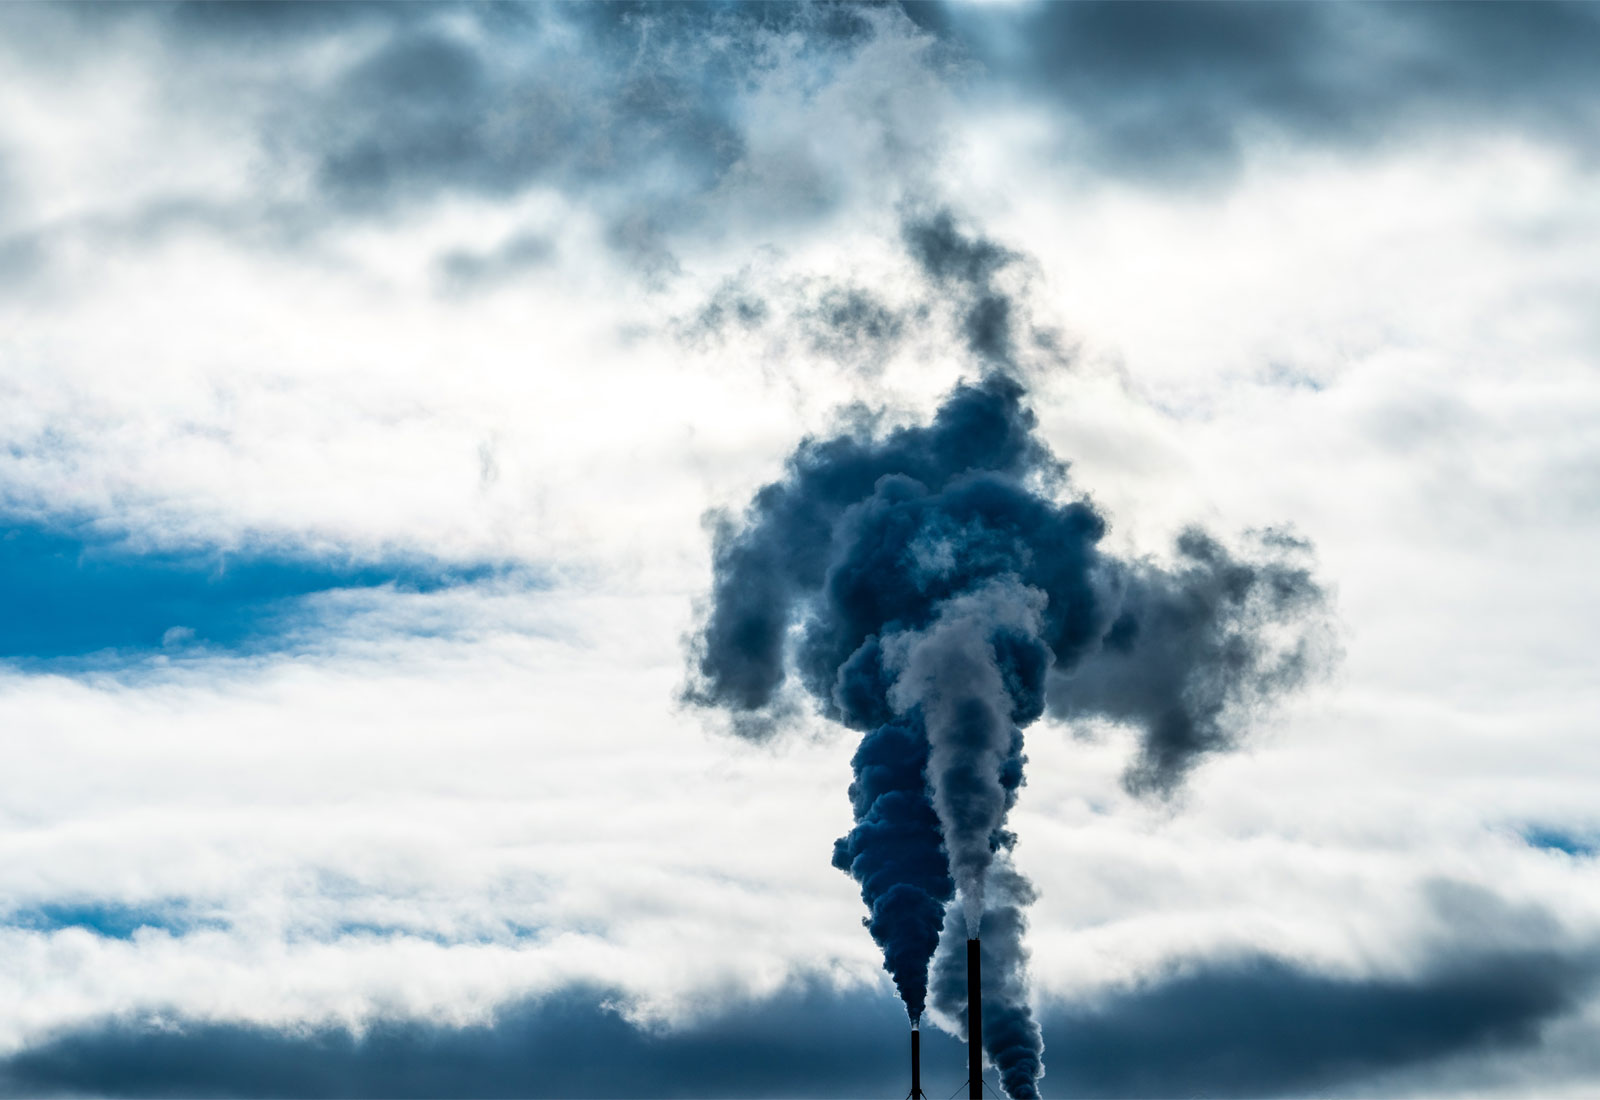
(962, 672)
(896, 852)
(1011, 1036)
(932, 586)
(1197, 648)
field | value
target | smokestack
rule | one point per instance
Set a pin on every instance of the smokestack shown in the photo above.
(916, 1062)
(974, 1022)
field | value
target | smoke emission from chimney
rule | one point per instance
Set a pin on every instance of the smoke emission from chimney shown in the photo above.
(933, 587)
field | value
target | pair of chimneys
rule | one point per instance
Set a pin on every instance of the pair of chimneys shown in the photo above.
(974, 1033)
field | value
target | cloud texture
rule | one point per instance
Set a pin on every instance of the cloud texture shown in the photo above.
(377, 383)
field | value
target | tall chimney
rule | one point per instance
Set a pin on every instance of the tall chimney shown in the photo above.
(974, 1022)
(916, 1062)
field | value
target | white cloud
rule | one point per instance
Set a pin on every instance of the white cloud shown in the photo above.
(1393, 353)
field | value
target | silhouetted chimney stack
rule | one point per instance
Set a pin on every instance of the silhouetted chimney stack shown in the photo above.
(916, 1092)
(974, 1022)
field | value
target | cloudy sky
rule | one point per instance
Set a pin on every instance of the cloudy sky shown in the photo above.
(374, 382)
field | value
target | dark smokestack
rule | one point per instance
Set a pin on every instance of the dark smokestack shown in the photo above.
(974, 1022)
(916, 1063)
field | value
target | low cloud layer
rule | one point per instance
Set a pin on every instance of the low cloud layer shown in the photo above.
(1266, 1027)
(1228, 1027)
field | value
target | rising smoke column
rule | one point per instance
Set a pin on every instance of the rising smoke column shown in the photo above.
(1010, 1034)
(935, 581)
(896, 852)
(945, 585)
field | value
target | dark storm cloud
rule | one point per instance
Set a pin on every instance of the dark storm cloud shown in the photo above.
(413, 116)
(1162, 90)
(1176, 91)
(69, 592)
(1247, 1026)
(571, 1044)
(644, 112)
(643, 100)
(1263, 1026)
(640, 113)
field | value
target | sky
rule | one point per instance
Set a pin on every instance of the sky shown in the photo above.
(385, 391)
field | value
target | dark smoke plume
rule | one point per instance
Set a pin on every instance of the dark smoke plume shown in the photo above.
(896, 853)
(932, 586)
(1197, 648)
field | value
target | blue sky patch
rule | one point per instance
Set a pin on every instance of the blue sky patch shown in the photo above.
(111, 919)
(1559, 840)
(65, 593)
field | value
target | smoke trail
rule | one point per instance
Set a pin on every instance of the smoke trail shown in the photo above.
(944, 584)
(1011, 1036)
(895, 852)
(929, 622)
(953, 671)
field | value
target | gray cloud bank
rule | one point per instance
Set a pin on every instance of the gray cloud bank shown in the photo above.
(1153, 89)
(1161, 91)
(1254, 1025)
(677, 123)
(1176, 92)
(660, 120)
